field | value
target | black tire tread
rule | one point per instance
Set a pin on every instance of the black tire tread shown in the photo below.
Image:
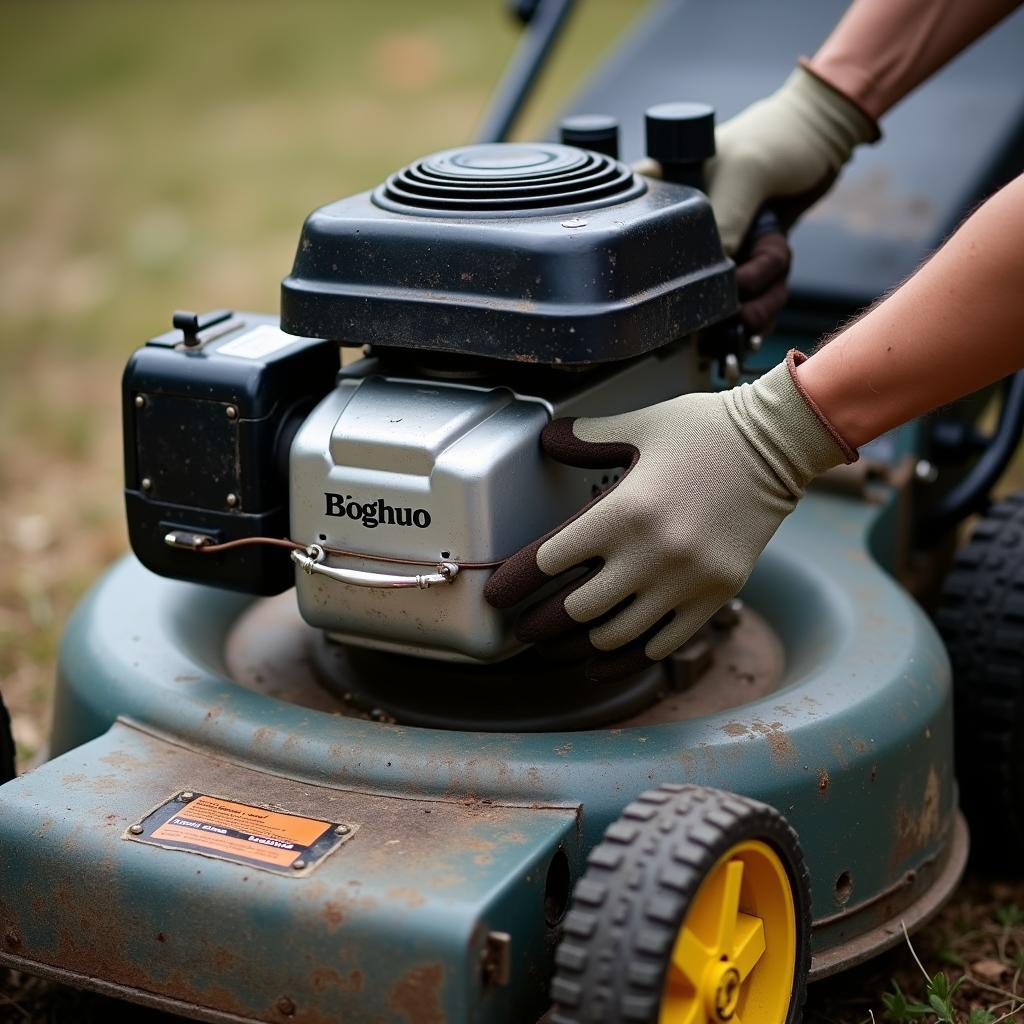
(611, 963)
(981, 618)
(7, 769)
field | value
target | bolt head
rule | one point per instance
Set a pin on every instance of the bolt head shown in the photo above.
(147, 484)
(140, 401)
(286, 1007)
(136, 830)
(232, 500)
(187, 795)
(342, 830)
(232, 412)
(298, 865)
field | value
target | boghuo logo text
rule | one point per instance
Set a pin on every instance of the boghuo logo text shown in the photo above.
(374, 513)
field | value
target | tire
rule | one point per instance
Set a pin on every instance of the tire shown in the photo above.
(7, 769)
(647, 889)
(981, 618)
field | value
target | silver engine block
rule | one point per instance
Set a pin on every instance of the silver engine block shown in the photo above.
(431, 471)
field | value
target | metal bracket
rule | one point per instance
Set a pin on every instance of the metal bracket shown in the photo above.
(311, 561)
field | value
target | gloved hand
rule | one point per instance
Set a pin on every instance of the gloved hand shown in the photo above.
(709, 479)
(789, 146)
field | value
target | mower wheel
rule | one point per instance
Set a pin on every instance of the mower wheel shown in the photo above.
(694, 909)
(981, 617)
(7, 771)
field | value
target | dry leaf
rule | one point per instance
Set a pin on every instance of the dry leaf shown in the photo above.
(990, 970)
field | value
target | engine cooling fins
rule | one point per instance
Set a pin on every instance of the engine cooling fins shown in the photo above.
(505, 180)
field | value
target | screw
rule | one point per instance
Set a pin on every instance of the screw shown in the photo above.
(926, 472)
(147, 484)
(140, 401)
(232, 412)
(574, 222)
(186, 796)
(299, 864)
(755, 342)
(232, 500)
(342, 830)
(286, 1006)
(136, 830)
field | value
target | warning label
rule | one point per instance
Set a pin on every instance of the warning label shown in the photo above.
(258, 836)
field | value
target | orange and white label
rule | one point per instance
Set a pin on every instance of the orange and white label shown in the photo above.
(234, 830)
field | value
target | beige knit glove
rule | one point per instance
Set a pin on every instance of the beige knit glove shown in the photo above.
(790, 145)
(709, 479)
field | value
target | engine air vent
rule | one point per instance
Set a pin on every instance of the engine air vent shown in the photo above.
(508, 178)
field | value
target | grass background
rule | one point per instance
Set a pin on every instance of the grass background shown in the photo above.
(162, 156)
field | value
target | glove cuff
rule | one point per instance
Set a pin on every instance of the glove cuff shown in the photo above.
(844, 116)
(794, 357)
(786, 428)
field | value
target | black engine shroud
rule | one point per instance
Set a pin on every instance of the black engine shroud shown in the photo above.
(538, 253)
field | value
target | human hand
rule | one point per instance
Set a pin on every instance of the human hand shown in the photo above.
(710, 476)
(786, 150)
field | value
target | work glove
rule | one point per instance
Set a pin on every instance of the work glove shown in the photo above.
(784, 151)
(709, 478)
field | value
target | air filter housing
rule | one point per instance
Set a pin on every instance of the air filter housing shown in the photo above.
(536, 253)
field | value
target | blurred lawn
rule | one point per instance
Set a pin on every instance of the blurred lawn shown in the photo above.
(162, 156)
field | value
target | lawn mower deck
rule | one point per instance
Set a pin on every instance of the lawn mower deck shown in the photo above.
(442, 900)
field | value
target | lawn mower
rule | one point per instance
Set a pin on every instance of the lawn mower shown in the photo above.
(302, 772)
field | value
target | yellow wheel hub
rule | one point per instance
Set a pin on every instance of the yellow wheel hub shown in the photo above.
(735, 954)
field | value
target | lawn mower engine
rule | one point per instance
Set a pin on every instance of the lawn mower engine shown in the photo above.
(492, 288)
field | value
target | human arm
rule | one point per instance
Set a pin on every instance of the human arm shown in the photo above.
(952, 328)
(788, 149)
(711, 476)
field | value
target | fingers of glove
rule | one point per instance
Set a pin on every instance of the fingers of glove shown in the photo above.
(633, 621)
(763, 265)
(736, 190)
(616, 582)
(560, 442)
(627, 660)
(575, 646)
(758, 315)
(685, 622)
(516, 578)
(548, 618)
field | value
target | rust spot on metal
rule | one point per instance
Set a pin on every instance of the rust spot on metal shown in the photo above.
(407, 895)
(781, 747)
(416, 995)
(333, 914)
(823, 780)
(735, 729)
(915, 829)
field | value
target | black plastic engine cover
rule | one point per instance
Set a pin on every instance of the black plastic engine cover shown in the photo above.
(537, 253)
(207, 428)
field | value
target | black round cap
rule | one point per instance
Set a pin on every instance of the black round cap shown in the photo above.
(596, 132)
(680, 133)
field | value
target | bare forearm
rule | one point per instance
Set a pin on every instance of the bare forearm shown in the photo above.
(954, 327)
(882, 49)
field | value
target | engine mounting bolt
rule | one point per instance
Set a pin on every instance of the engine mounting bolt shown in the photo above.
(140, 401)
(136, 830)
(232, 500)
(342, 830)
(298, 865)
(232, 412)
(147, 484)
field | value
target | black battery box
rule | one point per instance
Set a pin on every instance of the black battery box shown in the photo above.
(210, 410)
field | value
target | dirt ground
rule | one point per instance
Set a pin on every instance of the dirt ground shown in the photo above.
(155, 157)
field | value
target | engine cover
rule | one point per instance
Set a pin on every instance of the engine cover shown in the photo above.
(537, 253)
(436, 470)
